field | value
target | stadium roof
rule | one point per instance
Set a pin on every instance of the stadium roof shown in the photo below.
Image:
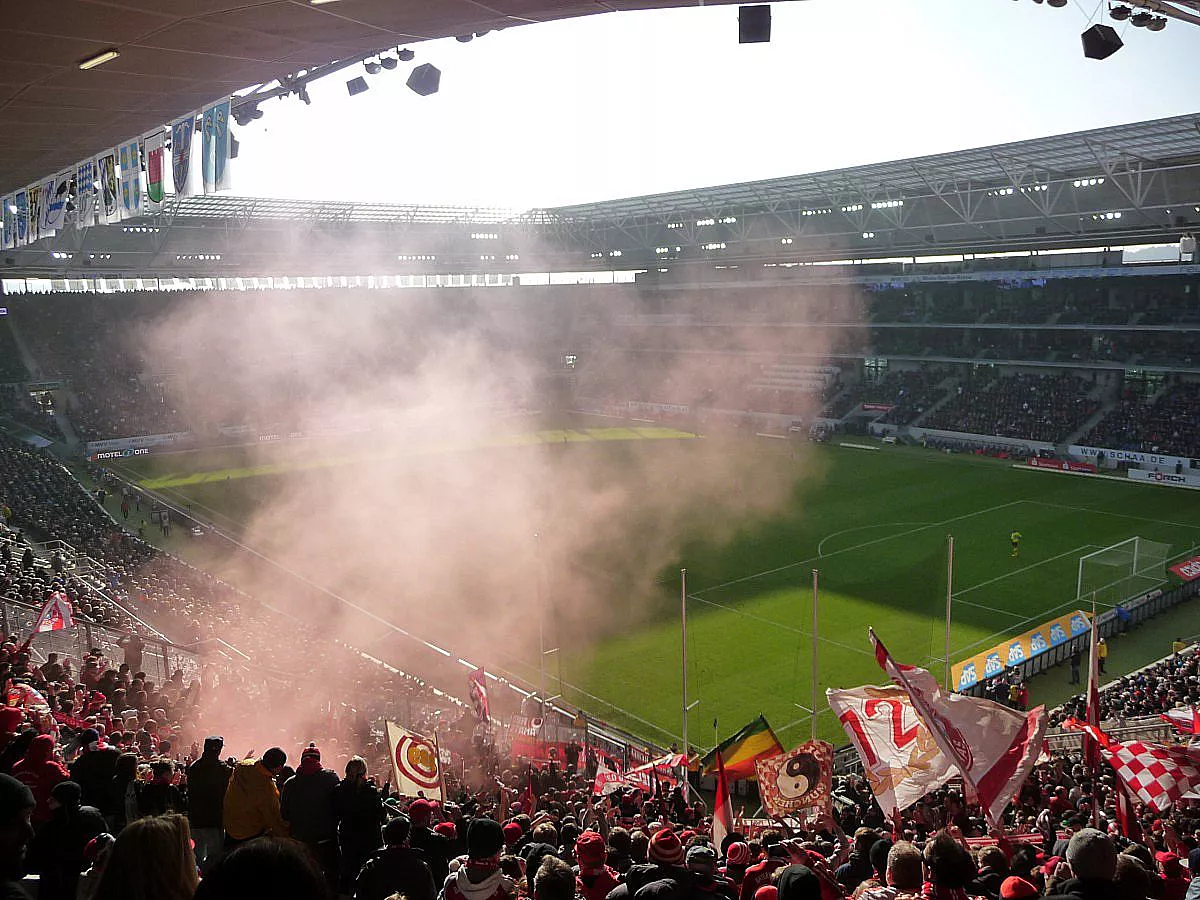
(177, 56)
(1169, 140)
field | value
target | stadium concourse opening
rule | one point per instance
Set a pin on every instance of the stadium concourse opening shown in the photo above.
(377, 551)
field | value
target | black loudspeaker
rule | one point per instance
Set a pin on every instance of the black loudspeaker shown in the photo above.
(1100, 42)
(754, 24)
(425, 80)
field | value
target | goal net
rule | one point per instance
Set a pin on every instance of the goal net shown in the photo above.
(1122, 571)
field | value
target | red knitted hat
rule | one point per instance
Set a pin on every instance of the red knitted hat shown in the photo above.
(666, 848)
(590, 850)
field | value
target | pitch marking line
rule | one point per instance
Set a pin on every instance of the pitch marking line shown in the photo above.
(829, 537)
(871, 543)
(1104, 512)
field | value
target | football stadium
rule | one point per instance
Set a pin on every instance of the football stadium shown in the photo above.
(672, 537)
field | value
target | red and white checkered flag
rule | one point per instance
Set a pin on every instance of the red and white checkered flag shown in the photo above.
(1157, 774)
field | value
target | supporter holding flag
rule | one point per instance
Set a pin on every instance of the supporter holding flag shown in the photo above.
(477, 682)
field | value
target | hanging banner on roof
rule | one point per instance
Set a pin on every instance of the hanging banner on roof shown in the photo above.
(216, 146)
(34, 229)
(109, 208)
(8, 216)
(58, 192)
(1018, 650)
(155, 144)
(131, 179)
(21, 202)
(181, 154)
(85, 194)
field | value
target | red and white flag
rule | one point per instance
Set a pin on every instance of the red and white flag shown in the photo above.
(415, 763)
(993, 747)
(1185, 719)
(722, 823)
(1091, 750)
(1157, 774)
(607, 781)
(55, 614)
(477, 681)
(901, 760)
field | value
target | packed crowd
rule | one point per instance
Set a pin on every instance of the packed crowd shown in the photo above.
(1027, 407)
(1166, 424)
(1152, 691)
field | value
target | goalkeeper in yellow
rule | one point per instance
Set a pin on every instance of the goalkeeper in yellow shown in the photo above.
(1015, 540)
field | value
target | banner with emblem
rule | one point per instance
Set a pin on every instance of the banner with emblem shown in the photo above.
(900, 758)
(109, 206)
(8, 216)
(156, 150)
(21, 202)
(130, 160)
(215, 147)
(802, 778)
(34, 229)
(181, 154)
(415, 763)
(58, 192)
(85, 194)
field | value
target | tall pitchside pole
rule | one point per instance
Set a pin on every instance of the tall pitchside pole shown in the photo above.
(816, 574)
(683, 654)
(949, 602)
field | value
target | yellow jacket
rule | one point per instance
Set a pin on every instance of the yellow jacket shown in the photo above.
(252, 803)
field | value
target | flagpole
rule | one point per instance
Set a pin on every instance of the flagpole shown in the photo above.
(437, 752)
(949, 603)
(815, 576)
(683, 654)
(1092, 753)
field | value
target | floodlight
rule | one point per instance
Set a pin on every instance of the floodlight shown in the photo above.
(406, 55)
(371, 66)
(1140, 19)
(1057, 4)
(464, 38)
(425, 80)
(388, 62)
(1120, 13)
(1101, 42)
(357, 86)
(1158, 23)
(99, 59)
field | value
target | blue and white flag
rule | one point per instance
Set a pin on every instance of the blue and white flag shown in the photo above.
(34, 228)
(85, 194)
(8, 216)
(54, 210)
(21, 202)
(216, 147)
(131, 179)
(181, 154)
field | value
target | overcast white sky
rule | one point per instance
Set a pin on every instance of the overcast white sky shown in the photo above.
(622, 104)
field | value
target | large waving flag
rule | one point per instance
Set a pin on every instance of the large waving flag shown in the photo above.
(1091, 751)
(993, 747)
(415, 763)
(722, 823)
(800, 779)
(738, 753)
(900, 758)
(477, 682)
(1184, 719)
(607, 781)
(55, 614)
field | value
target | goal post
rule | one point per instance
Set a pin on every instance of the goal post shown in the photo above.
(1122, 571)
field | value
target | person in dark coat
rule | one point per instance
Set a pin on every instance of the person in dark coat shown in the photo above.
(16, 831)
(1093, 860)
(306, 804)
(57, 851)
(395, 869)
(94, 769)
(208, 779)
(433, 847)
(358, 807)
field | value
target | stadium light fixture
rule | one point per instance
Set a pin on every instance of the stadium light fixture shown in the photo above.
(1057, 4)
(1101, 42)
(406, 55)
(1158, 23)
(1119, 13)
(1140, 19)
(372, 66)
(99, 59)
(389, 62)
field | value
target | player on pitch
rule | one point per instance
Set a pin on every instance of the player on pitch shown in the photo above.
(1015, 538)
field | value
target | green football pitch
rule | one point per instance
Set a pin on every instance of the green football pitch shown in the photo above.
(874, 521)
